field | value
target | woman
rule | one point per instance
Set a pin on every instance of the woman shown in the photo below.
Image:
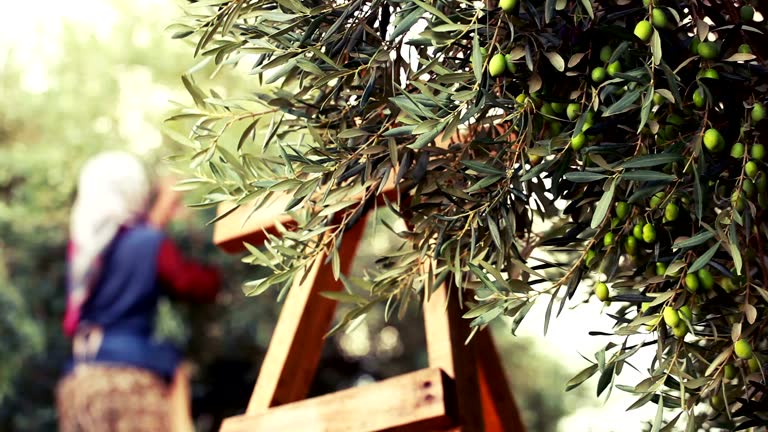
(120, 264)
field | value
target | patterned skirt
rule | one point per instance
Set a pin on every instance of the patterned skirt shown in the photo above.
(96, 398)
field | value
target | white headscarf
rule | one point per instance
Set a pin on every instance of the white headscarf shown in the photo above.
(113, 191)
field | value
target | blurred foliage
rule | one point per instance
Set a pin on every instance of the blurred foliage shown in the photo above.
(111, 92)
(632, 128)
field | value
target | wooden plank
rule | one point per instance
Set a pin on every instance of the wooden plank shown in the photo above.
(241, 226)
(417, 401)
(446, 332)
(499, 406)
(294, 351)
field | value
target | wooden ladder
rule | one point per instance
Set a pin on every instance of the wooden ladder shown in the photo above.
(463, 389)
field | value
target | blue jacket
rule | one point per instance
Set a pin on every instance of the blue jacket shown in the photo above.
(124, 304)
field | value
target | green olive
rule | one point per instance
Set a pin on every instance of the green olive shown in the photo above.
(657, 199)
(508, 5)
(572, 111)
(761, 181)
(671, 317)
(659, 18)
(622, 209)
(671, 212)
(737, 201)
(680, 330)
(510, 60)
(694, 46)
(605, 53)
(590, 257)
(685, 313)
(706, 279)
(748, 187)
(709, 73)
(758, 112)
(691, 282)
(497, 65)
(751, 169)
(614, 68)
(547, 110)
(661, 268)
(649, 233)
(717, 403)
(598, 74)
(643, 31)
(742, 349)
(601, 291)
(747, 13)
(713, 140)
(737, 151)
(630, 245)
(757, 152)
(699, 98)
(708, 50)
(637, 231)
(578, 141)
(608, 239)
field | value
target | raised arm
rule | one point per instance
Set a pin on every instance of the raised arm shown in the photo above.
(186, 279)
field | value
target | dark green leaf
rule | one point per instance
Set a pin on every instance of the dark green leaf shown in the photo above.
(696, 240)
(602, 207)
(520, 316)
(650, 160)
(406, 23)
(704, 259)
(605, 378)
(352, 133)
(477, 58)
(485, 182)
(644, 399)
(580, 377)
(584, 176)
(733, 238)
(656, 47)
(538, 169)
(647, 175)
(481, 309)
(549, 10)
(481, 168)
(624, 104)
(646, 109)
(659, 410)
(483, 277)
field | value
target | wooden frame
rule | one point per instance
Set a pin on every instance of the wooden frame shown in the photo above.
(459, 391)
(416, 401)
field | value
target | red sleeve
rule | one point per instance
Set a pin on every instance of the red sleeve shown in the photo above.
(186, 279)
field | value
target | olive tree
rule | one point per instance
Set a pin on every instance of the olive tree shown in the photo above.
(538, 148)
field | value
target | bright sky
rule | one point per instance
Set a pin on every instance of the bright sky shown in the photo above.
(31, 31)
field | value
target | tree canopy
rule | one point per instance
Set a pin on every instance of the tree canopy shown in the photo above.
(621, 138)
(106, 91)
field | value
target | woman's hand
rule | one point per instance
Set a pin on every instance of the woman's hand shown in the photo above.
(166, 203)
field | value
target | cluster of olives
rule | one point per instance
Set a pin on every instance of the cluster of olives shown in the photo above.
(745, 358)
(500, 63)
(754, 181)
